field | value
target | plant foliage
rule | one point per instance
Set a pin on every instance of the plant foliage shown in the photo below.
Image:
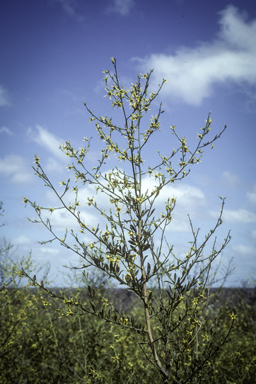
(123, 247)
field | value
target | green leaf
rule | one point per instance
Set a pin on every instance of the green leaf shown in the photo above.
(145, 247)
(148, 269)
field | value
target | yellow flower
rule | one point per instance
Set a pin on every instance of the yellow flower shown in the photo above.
(25, 200)
(37, 159)
(233, 316)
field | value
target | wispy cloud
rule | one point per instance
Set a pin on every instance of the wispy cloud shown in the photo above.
(46, 140)
(242, 249)
(252, 195)
(6, 130)
(236, 216)
(21, 240)
(70, 9)
(230, 180)
(4, 97)
(192, 73)
(15, 167)
(123, 7)
(68, 6)
(54, 166)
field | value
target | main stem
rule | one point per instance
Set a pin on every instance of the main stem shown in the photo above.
(145, 297)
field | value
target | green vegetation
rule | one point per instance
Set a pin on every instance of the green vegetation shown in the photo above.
(45, 344)
(174, 331)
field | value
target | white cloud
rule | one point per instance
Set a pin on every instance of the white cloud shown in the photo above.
(188, 199)
(178, 225)
(54, 166)
(243, 249)
(236, 216)
(21, 240)
(4, 98)
(229, 179)
(21, 178)
(16, 167)
(192, 73)
(123, 7)
(253, 234)
(11, 164)
(252, 195)
(47, 140)
(49, 250)
(186, 194)
(61, 219)
(6, 130)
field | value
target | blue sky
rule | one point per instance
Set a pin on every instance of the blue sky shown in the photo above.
(53, 53)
